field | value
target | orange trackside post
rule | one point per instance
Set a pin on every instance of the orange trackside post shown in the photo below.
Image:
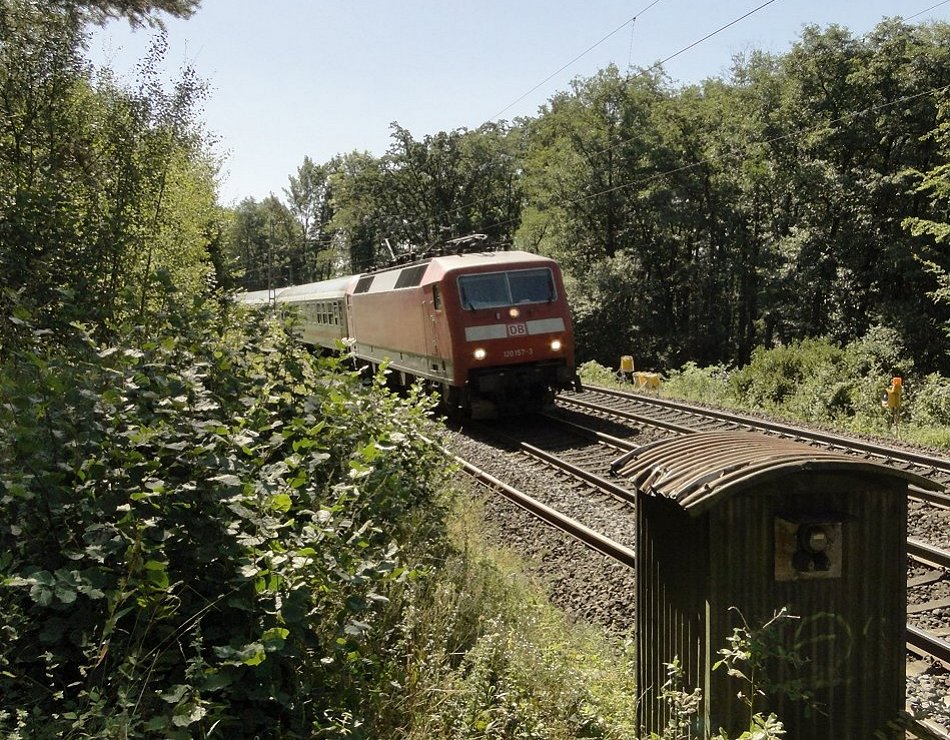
(892, 399)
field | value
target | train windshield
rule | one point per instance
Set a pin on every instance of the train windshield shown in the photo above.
(495, 289)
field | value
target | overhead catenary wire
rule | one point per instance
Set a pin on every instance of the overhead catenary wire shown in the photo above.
(728, 157)
(710, 160)
(630, 22)
(584, 53)
(561, 69)
(926, 10)
(708, 36)
(655, 66)
(640, 73)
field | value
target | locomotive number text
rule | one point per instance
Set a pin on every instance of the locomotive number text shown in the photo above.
(512, 353)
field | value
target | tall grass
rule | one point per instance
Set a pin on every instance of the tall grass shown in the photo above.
(493, 659)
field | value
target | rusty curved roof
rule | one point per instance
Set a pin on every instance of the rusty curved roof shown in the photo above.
(697, 469)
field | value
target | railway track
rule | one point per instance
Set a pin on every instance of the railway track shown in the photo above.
(588, 466)
(928, 511)
(682, 418)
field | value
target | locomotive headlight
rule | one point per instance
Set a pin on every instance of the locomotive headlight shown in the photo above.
(479, 354)
(556, 345)
(514, 313)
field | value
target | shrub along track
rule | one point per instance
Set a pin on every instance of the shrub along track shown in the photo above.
(598, 589)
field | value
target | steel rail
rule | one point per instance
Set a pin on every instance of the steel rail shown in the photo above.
(928, 645)
(928, 553)
(608, 439)
(917, 549)
(934, 464)
(678, 428)
(583, 534)
(918, 641)
(585, 475)
(836, 440)
(923, 729)
(921, 641)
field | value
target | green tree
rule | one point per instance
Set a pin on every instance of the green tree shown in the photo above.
(933, 229)
(590, 157)
(453, 183)
(263, 242)
(104, 189)
(46, 161)
(594, 202)
(309, 200)
(858, 120)
(362, 213)
(136, 12)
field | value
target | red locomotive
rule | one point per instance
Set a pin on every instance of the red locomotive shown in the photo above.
(489, 330)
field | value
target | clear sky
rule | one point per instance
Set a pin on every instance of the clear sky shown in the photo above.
(296, 78)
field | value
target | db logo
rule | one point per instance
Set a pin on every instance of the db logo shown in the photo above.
(517, 330)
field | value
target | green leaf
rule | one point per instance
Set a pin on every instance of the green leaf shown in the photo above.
(188, 714)
(156, 723)
(41, 595)
(251, 654)
(216, 680)
(357, 629)
(174, 694)
(65, 594)
(227, 479)
(281, 502)
(257, 657)
(274, 638)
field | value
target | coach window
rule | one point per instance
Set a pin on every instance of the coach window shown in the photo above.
(436, 298)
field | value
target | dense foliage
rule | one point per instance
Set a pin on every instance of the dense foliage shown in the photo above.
(200, 530)
(762, 209)
(803, 195)
(206, 530)
(105, 191)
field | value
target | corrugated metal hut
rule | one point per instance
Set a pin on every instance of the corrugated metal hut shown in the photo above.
(732, 528)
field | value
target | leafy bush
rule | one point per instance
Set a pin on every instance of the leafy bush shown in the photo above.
(701, 384)
(879, 354)
(199, 531)
(931, 401)
(593, 372)
(816, 381)
(775, 376)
